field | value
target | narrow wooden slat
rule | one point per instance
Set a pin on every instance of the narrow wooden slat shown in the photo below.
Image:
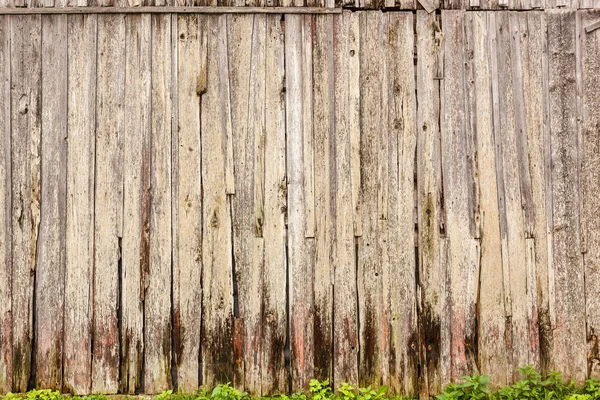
(354, 117)
(308, 28)
(433, 352)
(191, 59)
(373, 202)
(463, 248)
(136, 199)
(323, 131)
(569, 351)
(217, 292)
(161, 9)
(248, 275)
(345, 318)
(492, 351)
(26, 174)
(51, 251)
(157, 311)
(300, 249)
(274, 318)
(5, 212)
(589, 182)
(108, 210)
(402, 126)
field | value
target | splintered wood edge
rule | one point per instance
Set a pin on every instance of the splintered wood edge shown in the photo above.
(170, 9)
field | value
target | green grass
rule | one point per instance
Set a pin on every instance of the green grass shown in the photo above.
(532, 386)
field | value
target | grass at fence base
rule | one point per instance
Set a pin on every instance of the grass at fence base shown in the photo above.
(532, 386)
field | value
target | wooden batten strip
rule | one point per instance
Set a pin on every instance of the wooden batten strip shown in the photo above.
(170, 9)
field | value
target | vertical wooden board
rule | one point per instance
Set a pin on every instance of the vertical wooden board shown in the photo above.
(217, 292)
(463, 249)
(300, 249)
(590, 182)
(81, 44)
(157, 304)
(431, 214)
(247, 275)
(354, 117)
(492, 357)
(51, 250)
(345, 318)
(308, 28)
(5, 211)
(108, 210)
(324, 148)
(25, 164)
(191, 58)
(401, 125)
(136, 197)
(569, 351)
(373, 201)
(274, 314)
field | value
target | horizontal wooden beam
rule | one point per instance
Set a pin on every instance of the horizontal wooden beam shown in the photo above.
(169, 9)
(592, 27)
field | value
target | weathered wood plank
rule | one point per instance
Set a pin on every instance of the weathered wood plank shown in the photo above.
(217, 293)
(372, 260)
(457, 178)
(51, 250)
(589, 163)
(158, 9)
(345, 317)
(300, 249)
(247, 275)
(26, 174)
(492, 351)
(136, 198)
(274, 296)
(108, 210)
(308, 28)
(191, 82)
(324, 167)
(354, 118)
(434, 352)
(569, 351)
(6, 323)
(157, 311)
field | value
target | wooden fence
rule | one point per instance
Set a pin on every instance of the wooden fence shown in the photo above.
(389, 198)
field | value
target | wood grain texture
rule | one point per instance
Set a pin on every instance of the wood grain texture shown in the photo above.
(589, 183)
(51, 251)
(463, 247)
(5, 211)
(300, 249)
(108, 210)
(136, 197)
(308, 28)
(191, 81)
(402, 128)
(569, 295)
(217, 293)
(345, 338)
(274, 297)
(26, 175)
(434, 349)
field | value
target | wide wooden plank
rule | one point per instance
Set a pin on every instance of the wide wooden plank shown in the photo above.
(492, 350)
(136, 197)
(157, 311)
(108, 210)
(300, 249)
(5, 211)
(274, 318)
(51, 251)
(402, 140)
(345, 317)
(458, 179)
(434, 350)
(191, 68)
(325, 184)
(569, 347)
(372, 260)
(589, 182)
(217, 291)
(26, 116)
